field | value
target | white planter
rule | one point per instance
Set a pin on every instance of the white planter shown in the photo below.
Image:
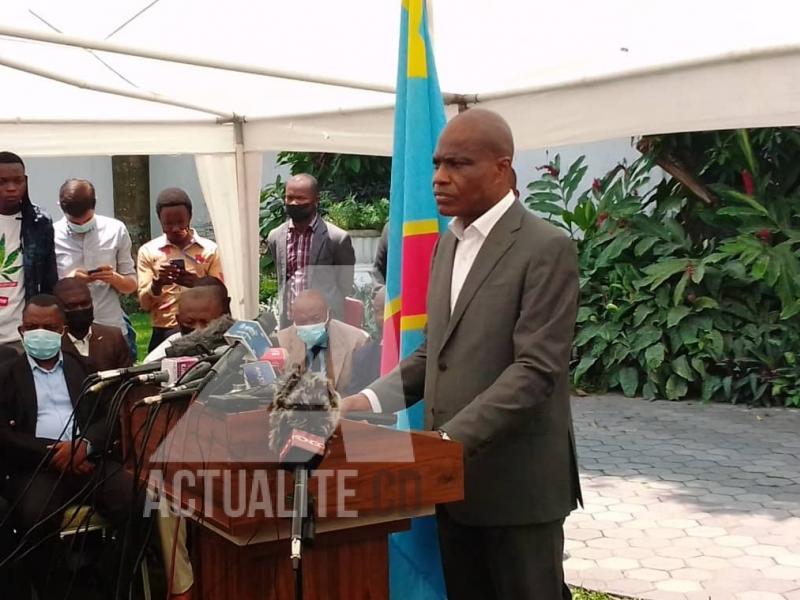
(365, 245)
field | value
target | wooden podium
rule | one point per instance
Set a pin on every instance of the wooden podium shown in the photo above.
(218, 468)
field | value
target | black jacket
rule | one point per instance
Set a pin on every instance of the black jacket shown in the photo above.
(38, 250)
(20, 449)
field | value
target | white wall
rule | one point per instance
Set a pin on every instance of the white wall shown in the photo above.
(45, 176)
(601, 157)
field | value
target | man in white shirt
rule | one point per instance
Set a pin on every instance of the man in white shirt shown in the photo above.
(494, 371)
(96, 250)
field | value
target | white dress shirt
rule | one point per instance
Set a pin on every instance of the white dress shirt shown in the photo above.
(470, 241)
(107, 243)
(160, 351)
(81, 344)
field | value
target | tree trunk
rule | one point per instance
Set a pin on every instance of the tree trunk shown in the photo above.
(131, 177)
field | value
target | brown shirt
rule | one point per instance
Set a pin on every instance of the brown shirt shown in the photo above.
(201, 257)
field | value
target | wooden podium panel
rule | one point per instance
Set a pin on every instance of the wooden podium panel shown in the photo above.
(390, 476)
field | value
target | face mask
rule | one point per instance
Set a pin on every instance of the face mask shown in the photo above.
(312, 335)
(80, 320)
(83, 228)
(299, 212)
(41, 343)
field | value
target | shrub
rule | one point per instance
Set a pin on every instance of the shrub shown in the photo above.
(670, 309)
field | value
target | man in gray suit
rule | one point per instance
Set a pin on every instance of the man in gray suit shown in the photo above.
(494, 370)
(309, 252)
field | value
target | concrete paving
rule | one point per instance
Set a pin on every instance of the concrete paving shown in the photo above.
(686, 501)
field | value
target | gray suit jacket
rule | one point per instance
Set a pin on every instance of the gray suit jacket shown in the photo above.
(495, 373)
(331, 268)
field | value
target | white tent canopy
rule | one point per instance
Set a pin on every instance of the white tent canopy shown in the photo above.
(226, 81)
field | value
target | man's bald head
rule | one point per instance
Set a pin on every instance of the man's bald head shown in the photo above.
(305, 180)
(487, 128)
(309, 307)
(198, 306)
(472, 164)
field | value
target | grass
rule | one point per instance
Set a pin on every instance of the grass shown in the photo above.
(581, 594)
(141, 323)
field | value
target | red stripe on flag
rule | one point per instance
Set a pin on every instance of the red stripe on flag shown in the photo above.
(417, 252)
(390, 354)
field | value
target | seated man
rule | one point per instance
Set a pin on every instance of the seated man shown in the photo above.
(367, 358)
(53, 447)
(319, 343)
(197, 307)
(102, 347)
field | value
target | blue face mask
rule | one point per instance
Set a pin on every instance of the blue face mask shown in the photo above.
(41, 343)
(83, 228)
(312, 335)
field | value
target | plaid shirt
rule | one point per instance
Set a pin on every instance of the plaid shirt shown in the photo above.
(298, 255)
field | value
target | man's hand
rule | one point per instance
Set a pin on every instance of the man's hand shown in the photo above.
(105, 274)
(186, 279)
(71, 456)
(81, 274)
(167, 274)
(355, 403)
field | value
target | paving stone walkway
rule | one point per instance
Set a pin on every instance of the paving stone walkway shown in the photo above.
(686, 501)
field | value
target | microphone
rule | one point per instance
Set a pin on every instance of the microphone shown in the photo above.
(251, 336)
(106, 378)
(277, 357)
(201, 341)
(157, 377)
(305, 412)
(179, 392)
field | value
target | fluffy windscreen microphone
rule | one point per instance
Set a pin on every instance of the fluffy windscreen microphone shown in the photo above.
(305, 412)
(202, 341)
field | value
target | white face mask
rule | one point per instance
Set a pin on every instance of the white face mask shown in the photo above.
(313, 334)
(82, 228)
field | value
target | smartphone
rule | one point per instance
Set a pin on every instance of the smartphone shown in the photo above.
(93, 271)
(179, 263)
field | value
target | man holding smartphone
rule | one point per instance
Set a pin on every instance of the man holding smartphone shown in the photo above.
(96, 250)
(172, 262)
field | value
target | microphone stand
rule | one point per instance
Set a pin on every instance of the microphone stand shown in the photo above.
(302, 526)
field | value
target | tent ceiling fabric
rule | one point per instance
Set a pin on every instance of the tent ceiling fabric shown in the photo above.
(588, 70)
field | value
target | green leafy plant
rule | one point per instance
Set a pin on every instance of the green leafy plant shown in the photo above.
(343, 175)
(353, 215)
(670, 309)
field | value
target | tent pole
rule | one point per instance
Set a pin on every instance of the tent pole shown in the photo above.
(150, 97)
(88, 44)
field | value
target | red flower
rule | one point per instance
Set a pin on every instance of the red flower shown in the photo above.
(747, 182)
(597, 185)
(601, 218)
(765, 235)
(551, 170)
